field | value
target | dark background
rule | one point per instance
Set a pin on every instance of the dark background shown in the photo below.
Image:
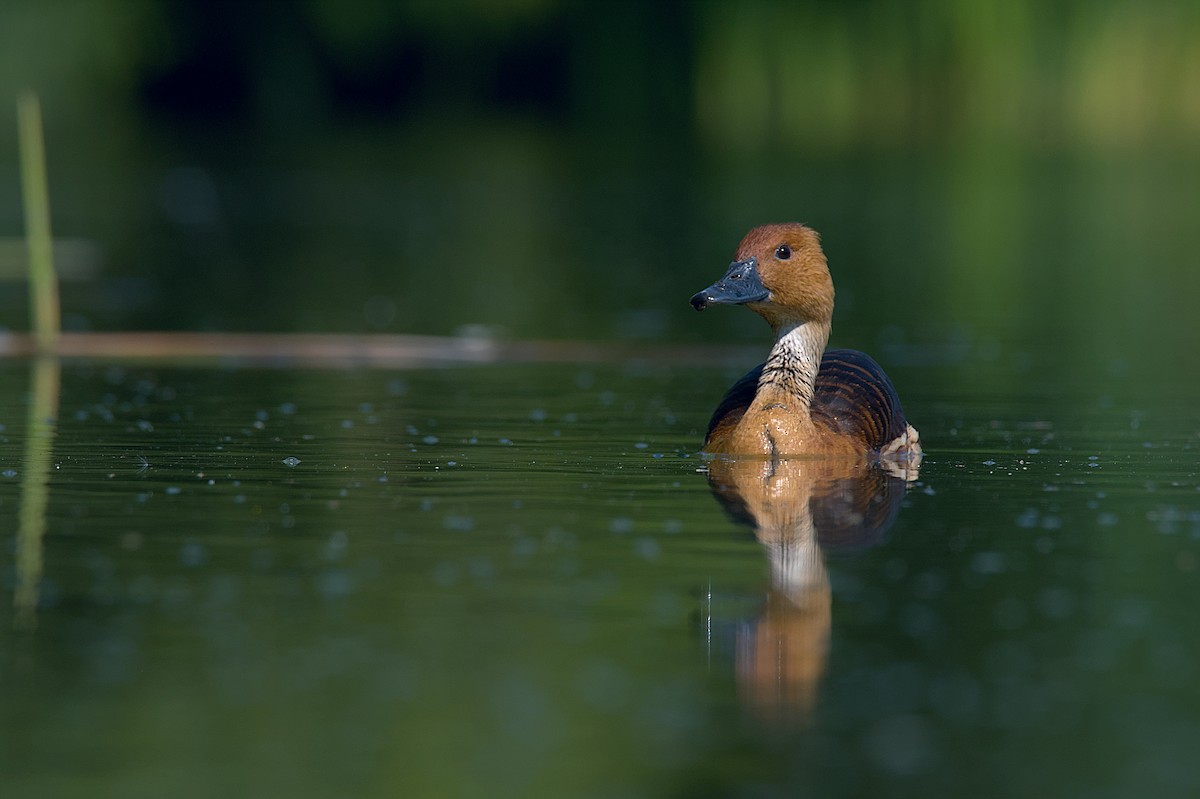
(986, 174)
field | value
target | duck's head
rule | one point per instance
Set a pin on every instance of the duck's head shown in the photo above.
(780, 273)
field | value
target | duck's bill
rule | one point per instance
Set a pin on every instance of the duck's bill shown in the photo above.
(741, 284)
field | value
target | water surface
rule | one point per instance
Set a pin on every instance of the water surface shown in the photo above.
(517, 581)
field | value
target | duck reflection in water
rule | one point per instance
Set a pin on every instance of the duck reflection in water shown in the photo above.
(799, 508)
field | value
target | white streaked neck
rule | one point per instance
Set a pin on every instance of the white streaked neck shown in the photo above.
(794, 360)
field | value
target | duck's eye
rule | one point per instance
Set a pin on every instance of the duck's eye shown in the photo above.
(783, 252)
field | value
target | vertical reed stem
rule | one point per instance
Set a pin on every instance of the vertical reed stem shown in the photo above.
(36, 470)
(43, 286)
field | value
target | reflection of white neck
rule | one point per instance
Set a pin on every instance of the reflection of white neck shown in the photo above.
(795, 358)
(797, 570)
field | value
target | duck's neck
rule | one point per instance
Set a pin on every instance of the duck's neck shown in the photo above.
(791, 369)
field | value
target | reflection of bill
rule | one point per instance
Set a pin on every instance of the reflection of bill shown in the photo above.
(798, 507)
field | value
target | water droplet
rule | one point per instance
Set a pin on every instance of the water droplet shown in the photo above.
(989, 563)
(1056, 603)
(335, 584)
(291, 462)
(193, 553)
(647, 548)
(621, 524)
(336, 544)
(445, 574)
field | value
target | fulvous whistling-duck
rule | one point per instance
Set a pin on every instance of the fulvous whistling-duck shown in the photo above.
(804, 400)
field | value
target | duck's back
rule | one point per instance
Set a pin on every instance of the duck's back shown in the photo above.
(852, 397)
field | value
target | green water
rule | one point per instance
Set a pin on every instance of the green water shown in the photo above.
(516, 581)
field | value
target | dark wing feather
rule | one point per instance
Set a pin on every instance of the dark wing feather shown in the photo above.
(853, 396)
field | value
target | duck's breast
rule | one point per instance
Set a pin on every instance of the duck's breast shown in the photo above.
(731, 409)
(854, 397)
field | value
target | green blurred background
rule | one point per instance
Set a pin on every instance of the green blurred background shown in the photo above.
(989, 176)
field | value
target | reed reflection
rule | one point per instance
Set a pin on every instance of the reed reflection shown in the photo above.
(40, 428)
(799, 508)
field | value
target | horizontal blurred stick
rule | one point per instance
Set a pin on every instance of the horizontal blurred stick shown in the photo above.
(347, 351)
